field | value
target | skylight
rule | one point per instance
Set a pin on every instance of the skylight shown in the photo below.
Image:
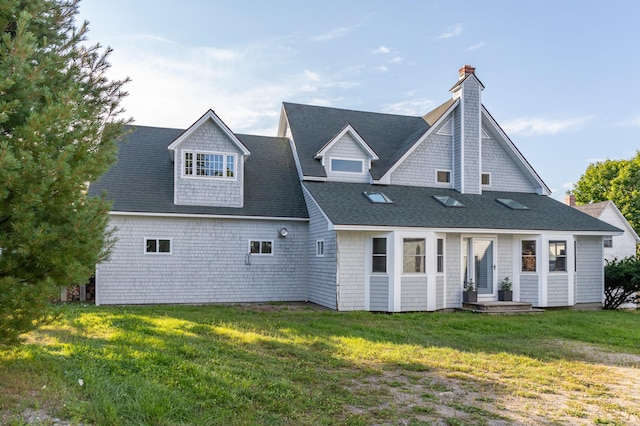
(378, 197)
(512, 204)
(447, 201)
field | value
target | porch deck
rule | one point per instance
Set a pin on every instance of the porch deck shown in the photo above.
(500, 308)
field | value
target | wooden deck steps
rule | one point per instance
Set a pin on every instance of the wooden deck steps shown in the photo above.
(501, 308)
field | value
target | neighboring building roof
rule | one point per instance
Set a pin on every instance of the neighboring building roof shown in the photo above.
(596, 210)
(387, 134)
(143, 177)
(345, 204)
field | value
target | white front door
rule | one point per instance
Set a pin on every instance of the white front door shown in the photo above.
(480, 266)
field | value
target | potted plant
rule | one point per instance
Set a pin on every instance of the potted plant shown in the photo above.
(469, 295)
(504, 293)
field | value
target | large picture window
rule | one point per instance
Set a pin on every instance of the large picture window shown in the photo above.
(209, 165)
(349, 166)
(528, 256)
(413, 255)
(379, 255)
(557, 256)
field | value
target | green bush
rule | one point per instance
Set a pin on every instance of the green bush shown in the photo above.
(621, 282)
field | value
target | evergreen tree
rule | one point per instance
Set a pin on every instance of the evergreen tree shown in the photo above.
(58, 126)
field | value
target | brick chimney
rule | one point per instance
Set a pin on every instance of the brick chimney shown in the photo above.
(466, 70)
(570, 200)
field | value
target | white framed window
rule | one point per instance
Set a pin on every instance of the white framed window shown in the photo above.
(346, 165)
(528, 255)
(443, 176)
(486, 179)
(261, 247)
(413, 255)
(209, 165)
(440, 255)
(379, 255)
(607, 240)
(157, 245)
(557, 256)
(320, 248)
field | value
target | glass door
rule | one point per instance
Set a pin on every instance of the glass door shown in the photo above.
(480, 265)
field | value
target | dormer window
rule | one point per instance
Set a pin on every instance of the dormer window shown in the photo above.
(344, 165)
(210, 165)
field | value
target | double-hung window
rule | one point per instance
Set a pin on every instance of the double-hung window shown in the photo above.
(379, 255)
(557, 256)
(440, 255)
(528, 255)
(204, 164)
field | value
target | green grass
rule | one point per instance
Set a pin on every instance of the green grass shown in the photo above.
(168, 365)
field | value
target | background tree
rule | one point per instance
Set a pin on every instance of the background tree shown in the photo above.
(615, 180)
(58, 126)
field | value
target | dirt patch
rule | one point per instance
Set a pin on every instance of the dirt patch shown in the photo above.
(451, 398)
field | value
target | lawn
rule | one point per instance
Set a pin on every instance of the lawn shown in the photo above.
(298, 364)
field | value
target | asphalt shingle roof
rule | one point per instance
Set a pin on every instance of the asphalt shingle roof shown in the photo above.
(345, 204)
(388, 135)
(142, 178)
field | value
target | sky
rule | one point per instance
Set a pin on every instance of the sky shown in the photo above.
(560, 77)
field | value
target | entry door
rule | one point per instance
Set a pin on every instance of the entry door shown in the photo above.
(481, 266)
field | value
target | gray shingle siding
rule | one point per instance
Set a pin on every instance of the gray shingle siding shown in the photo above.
(505, 174)
(419, 168)
(322, 270)
(589, 275)
(440, 282)
(557, 290)
(351, 261)
(453, 259)
(529, 288)
(207, 263)
(471, 139)
(413, 294)
(505, 257)
(379, 293)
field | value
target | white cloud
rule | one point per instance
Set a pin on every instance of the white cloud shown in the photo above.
(382, 68)
(414, 107)
(382, 50)
(477, 46)
(334, 33)
(528, 126)
(313, 76)
(453, 31)
(397, 60)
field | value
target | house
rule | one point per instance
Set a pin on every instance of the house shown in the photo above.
(615, 246)
(351, 210)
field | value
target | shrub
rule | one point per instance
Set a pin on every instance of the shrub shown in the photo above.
(621, 282)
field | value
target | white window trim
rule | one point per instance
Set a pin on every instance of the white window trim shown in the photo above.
(443, 170)
(157, 239)
(444, 255)
(485, 184)
(386, 257)
(261, 241)
(224, 162)
(319, 248)
(361, 161)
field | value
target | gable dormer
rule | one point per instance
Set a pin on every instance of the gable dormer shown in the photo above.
(208, 164)
(347, 157)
